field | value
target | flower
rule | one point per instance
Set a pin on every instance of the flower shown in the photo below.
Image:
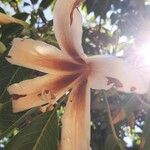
(68, 69)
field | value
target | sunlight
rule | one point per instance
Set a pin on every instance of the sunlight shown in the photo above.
(145, 53)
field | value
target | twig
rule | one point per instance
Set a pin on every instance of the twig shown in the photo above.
(111, 123)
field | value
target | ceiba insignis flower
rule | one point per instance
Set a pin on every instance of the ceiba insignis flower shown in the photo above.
(69, 69)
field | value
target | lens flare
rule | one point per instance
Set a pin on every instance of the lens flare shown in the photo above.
(145, 53)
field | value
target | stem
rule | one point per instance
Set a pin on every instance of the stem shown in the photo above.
(111, 123)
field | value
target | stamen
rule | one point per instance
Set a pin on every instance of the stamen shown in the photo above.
(47, 96)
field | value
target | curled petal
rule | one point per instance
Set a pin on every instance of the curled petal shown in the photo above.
(68, 28)
(76, 119)
(40, 56)
(107, 72)
(39, 91)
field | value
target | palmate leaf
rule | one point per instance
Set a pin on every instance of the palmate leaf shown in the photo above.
(34, 1)
(9, 74)
(11, 121)
(2, 48)
(146, 132)
(111, 143)
(40, 134)
(7, 118)
(45, 4)
(99, 7)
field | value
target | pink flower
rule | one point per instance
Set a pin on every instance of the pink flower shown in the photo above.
(68, 69)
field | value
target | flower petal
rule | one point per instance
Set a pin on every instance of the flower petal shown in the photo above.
(68, 28)
(76, 119)
(107, 72)
(31, 93)
(139, 58)
(27, 102)
(5, 19)
(40, 56)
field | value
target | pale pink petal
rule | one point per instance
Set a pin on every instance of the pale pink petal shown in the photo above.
(40, 56)
(68, 28)
(27, 102)
(140, 58)
(76, 119)
(30, 86)
(40, 90)
(107, 72)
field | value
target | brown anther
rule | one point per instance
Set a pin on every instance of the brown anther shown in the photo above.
(53, 96)
(39, 94)
(46, 91)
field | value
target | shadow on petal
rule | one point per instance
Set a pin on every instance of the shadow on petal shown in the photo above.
(76, 119)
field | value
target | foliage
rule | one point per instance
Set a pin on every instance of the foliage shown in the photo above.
(34, 129)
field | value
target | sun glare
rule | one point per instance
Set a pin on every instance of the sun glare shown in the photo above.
(145, 53)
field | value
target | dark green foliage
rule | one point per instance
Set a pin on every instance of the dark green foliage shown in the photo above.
(45, 3)
(40, 134)
(10, 74)
(34, 1)
(7, 118)
(146, 132)
(110, 143)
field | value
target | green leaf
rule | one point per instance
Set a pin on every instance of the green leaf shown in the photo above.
(26, 4)
(46, 3)
(2, 10)
(10, 74)
(2, 48)
(9, 30)
(146, 132)
(41, 134)
(34, 1)
(17, 120)
(111, 143)
(99, 7)
(7, 118)
(114, 18)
